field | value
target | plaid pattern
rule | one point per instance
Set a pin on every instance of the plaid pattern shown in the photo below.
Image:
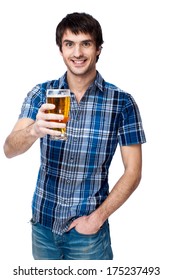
(73, 175)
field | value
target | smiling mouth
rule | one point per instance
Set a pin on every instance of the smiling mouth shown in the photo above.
(78, 62)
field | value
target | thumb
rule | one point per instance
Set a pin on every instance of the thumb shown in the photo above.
(73, 224)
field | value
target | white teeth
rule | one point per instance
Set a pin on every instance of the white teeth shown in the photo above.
(78, 62)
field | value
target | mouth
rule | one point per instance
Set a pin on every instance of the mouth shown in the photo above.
(78, 62)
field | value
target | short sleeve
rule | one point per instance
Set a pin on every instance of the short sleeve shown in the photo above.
(130, 126)
(33, 101)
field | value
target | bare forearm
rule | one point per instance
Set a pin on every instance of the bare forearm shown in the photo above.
(19, 142)
(122, 190)
(119, 194)
(132, 160)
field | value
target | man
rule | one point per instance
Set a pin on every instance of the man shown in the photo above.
(72, 204)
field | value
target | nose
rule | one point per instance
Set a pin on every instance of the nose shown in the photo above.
(77, 52)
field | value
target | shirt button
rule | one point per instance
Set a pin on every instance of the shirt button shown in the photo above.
(75, 139)
(71, 159)
(78, 117)
(68, 181)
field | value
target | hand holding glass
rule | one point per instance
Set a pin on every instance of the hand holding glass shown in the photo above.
(61, 99)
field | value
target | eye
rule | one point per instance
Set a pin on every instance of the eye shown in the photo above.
(86, 44)
(69, 44)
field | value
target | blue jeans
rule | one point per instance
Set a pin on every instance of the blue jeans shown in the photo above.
(72, 245)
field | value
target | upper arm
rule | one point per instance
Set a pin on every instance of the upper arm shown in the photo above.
(132, 157)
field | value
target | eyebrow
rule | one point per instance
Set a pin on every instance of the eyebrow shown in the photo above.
(84, 41)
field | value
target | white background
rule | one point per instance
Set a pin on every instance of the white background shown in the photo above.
(137, 57)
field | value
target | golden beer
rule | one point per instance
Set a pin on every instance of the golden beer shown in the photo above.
(61, 99)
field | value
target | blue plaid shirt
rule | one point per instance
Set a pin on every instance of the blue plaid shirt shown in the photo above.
(73, 174)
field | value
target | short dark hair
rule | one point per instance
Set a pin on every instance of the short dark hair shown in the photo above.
(80, 22)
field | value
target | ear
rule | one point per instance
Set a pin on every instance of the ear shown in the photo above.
(99, 50)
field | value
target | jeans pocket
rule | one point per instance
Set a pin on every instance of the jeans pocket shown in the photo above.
(85, 234)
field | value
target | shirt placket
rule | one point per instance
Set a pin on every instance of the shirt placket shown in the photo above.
(74, 137)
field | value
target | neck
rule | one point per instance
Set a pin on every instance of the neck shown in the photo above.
(79, 84)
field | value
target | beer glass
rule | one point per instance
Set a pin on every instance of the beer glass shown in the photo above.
(61, 99)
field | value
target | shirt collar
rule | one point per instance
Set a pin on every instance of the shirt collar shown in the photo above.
(99, 81)
(63, 81)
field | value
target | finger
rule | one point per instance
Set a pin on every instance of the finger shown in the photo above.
(42, 115)
(55, 125)
(46, 106)
(44, 131)
(50, 125)
(73, 224)
(51, 116)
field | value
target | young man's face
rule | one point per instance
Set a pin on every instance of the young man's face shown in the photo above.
(79, 53)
